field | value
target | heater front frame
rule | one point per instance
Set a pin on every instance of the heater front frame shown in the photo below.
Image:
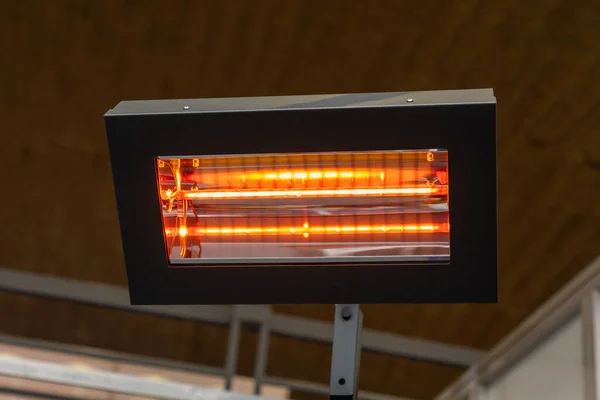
(461, 122)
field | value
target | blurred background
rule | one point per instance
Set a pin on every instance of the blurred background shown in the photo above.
(63, 64)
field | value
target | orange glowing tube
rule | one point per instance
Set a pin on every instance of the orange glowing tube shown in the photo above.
(303, 178)
(306, 229)
(239, 194)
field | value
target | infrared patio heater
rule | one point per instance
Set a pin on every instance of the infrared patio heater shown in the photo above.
(338, 199)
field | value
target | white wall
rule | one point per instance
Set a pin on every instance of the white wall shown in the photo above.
(554, 371)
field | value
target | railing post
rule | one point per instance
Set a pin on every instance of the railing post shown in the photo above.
(590, 328)
(233, 345)
(262, 355)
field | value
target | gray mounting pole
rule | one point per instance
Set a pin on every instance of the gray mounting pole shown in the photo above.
(345, 358)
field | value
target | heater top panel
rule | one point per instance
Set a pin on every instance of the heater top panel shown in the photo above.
(352, 198)
(233, 104)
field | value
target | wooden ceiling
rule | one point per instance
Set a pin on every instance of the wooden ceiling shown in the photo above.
(64, 63)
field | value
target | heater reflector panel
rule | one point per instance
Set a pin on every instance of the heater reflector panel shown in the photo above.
(377, 206)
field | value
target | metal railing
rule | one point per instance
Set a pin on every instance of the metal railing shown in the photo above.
(579, 296)
(268, 322)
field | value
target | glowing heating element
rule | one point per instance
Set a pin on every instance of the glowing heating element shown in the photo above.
(389, 206)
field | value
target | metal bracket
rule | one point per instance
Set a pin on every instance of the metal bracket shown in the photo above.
(345, 358)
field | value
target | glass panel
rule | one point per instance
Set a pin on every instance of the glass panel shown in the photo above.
(316, 207)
